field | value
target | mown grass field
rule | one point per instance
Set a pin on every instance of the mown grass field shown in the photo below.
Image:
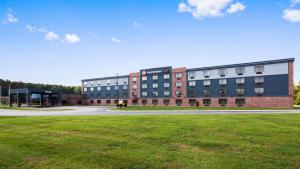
(155, 108)
(163, 141)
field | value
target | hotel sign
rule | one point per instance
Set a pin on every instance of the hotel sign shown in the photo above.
(150, 72)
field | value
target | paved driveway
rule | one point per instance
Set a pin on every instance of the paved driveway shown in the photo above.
(93, 110)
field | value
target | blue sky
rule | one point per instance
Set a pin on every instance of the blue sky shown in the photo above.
(62, 42)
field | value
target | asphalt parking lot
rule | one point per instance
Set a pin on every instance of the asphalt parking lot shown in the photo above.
(93, 110)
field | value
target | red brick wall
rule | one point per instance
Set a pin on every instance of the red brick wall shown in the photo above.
(131, 75)
(183, 80)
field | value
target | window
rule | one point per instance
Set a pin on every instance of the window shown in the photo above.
(98, 101)
(166, 102)
(155, 85)
(155, 94)
(192, 93)
(116, 87)
(192, 83)
(259, 69)
(155, 77)
(206, 92)
(259, 79)
(116, 81)
(84, 83)
(125, 87)
(178, 93)
(223, 81)
(178, 75)
(99, 88)
(206, 82)
(222, 92)
(192, 102)
(240, 102)
(144, 86)
(92, 101)
(107, 82)
(222, 72)
(92, 89)
(222, 102)
(155, 102)
(206, 73)
(134, 86)
(108, 88)
(240, 91)
(167, 93)
(240, 81)
(259, 91)
(108, 101)
(240, 70)
(192, 75)
(134, 79)
(178, 102)
(133, 94)
(144, 102)
(144, 94)
(178, 84)
(125, 82)
(166, 84)
(144, 78)
(99, 82)
(166, 76)
(206, 102)
(85, 89)
(92, 83)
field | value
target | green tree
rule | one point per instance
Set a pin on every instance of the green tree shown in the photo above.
(297, 94)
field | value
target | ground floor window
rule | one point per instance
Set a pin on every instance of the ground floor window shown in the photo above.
(192, 102)
(79, 102)
(222, 102)
(166, 102)
(98, 101)
(155, 102)
(178, 102)
(108, 102)
(144, 102)
(135, 101)
(240, 102)
(116, 101)
(92, 101)
(206, 102)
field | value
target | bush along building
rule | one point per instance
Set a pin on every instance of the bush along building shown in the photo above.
(255, 84)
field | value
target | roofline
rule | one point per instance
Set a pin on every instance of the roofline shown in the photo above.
(169, 67)
(104, 78)
(245, 64)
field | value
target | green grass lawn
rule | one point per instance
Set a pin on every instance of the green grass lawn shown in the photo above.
(164, 141)
(34, 108)
(139, 108)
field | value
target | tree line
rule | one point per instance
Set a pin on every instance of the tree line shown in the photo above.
(297, 94)
(4, 84)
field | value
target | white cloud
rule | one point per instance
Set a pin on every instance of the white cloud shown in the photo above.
(72, 38)
(51, 36)
(10, 18)
(236, 8)
(200, 9)
(291, 15)
(136, 24)
(115, 40)
(36, 29)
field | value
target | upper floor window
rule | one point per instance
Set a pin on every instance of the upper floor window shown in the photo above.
(222, 92)
(166, 76)
(259, 79)
(206, 82)
(222, 72)
(178, 84)
(259, 91)
(85, 89)
(107, 82)
(125, 87)
(155, 94)
(92, 89)
(134, 86)
(192, 83)
(178, 75)
(99, 88)
(84, 83)
(116, 87)
(92, 83)
(99, 82)
(155, 85)
(144, 94)
(240, 70)
(206, 73)
(125, 82)
(166, 84)
(223, 81)
(206, 92)
(192, 75)
(108, 88)
(116, 81)
(178, 93)
(144, 86)
(167, 93)
(240, 81)
(240, 91)
(155, 77)
(259, 69)
(134, 79)
(144, 78)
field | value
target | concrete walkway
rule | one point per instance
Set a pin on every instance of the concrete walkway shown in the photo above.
(93, 110)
